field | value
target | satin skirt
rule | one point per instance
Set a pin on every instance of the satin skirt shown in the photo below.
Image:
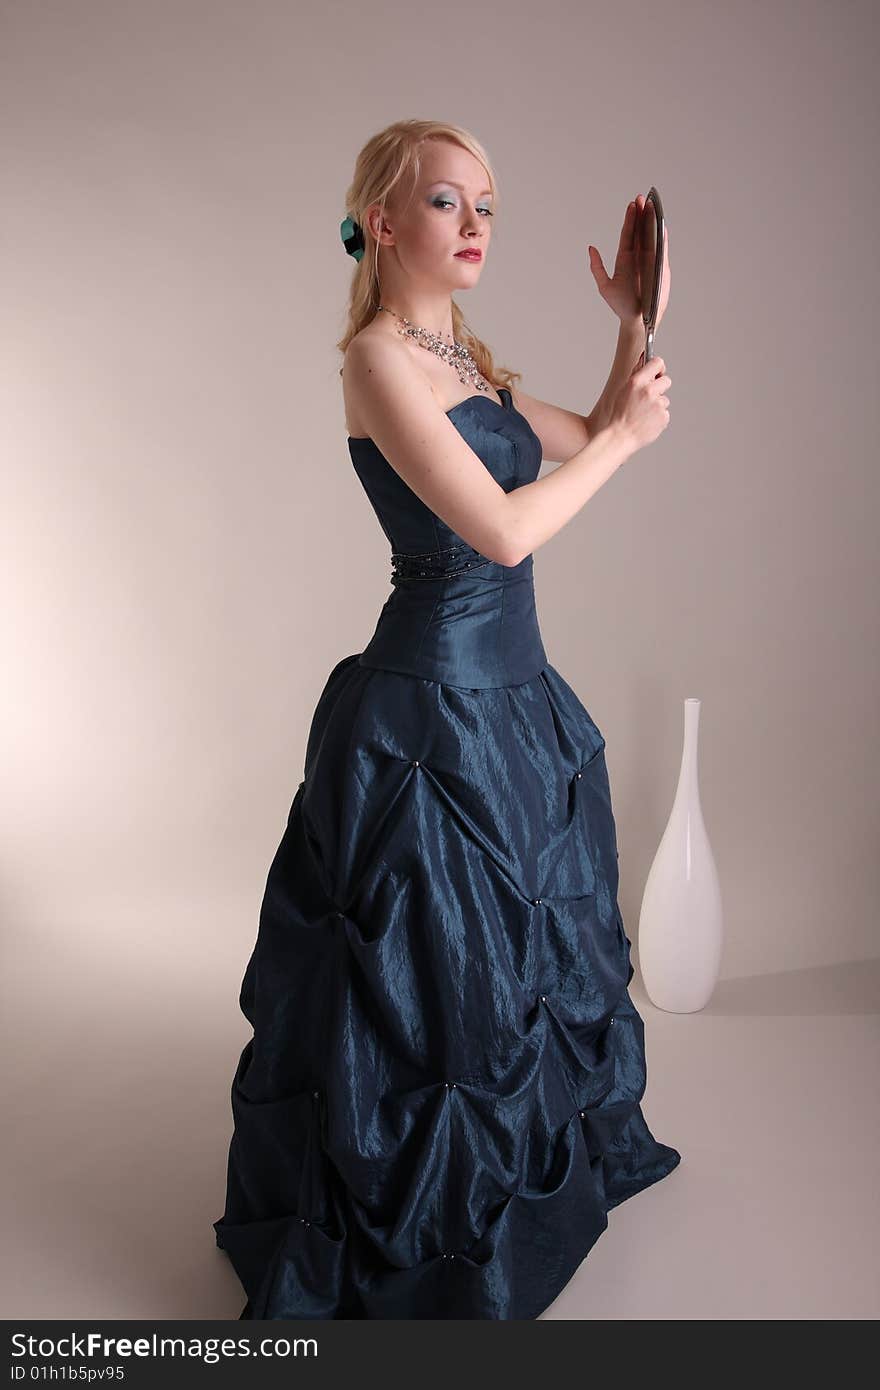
(440, 1102)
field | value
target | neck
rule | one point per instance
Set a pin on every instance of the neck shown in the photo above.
(422, 313)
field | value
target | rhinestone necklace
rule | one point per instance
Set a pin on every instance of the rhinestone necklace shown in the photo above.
(456, 354)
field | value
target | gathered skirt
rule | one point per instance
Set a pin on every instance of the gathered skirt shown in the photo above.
(440, 1102)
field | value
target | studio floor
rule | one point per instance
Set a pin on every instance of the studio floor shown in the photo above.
(117, 1126)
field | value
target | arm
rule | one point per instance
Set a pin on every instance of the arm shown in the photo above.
(563, 432)
(536, 511)
(420, 442)
(630, 345)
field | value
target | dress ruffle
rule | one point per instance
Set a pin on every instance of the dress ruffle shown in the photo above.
(440, 1103)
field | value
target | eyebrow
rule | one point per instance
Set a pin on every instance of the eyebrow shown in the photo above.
(461, 188)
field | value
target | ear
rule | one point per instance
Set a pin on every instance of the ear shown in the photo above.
(378, 225)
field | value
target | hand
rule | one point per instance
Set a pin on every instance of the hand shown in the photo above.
(641, 407)
(622, 291)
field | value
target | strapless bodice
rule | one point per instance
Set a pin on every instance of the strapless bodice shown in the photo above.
(454, 615)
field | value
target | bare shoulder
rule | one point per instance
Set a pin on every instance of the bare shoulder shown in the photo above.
(376, 361)
(396, 407)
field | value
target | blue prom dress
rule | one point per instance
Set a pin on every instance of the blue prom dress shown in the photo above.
(440, 1102)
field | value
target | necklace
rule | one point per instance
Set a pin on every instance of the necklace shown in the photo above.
(456, 354)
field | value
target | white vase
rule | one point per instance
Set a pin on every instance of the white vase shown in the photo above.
(680, 922)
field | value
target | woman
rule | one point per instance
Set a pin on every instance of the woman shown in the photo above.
(440, 1102)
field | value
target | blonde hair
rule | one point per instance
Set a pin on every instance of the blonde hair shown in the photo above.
(386, 159)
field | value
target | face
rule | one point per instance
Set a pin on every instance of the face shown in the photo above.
(450, 211)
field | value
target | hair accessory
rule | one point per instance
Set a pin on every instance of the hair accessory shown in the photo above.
(352, 237)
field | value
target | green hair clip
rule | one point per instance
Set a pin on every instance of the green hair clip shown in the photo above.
(352, 238)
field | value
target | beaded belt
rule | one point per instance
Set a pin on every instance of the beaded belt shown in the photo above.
(435, 564)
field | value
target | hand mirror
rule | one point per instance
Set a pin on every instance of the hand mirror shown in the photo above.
(651, 253)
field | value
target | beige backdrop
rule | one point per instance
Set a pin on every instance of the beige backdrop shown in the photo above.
(187, 551)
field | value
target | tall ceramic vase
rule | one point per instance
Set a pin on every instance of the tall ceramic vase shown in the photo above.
(680, 922)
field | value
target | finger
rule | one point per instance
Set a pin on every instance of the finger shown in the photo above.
(627, 240)
(596, 265)
(639, 203)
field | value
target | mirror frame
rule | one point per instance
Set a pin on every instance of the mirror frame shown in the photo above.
(649, 318)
